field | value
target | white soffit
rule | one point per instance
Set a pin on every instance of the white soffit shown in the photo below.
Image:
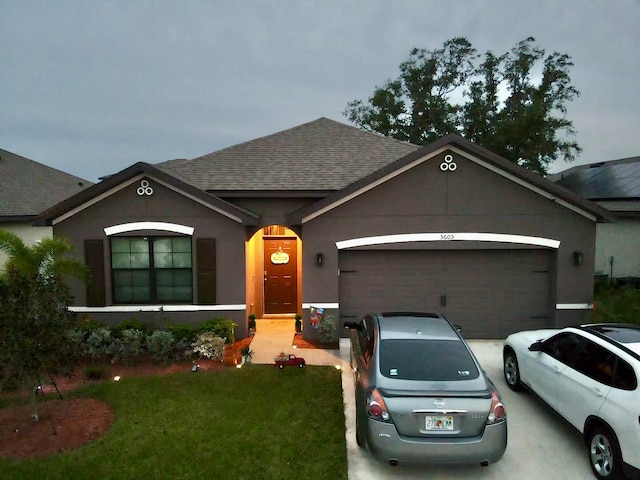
(136, 226)
(466, 155)
(448, 237)
(131, 181)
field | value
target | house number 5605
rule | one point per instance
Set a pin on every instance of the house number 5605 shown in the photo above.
(447, 236)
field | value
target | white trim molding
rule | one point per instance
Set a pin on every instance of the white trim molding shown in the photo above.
(307, 306)
(136, 226)
(574, 306)
(157, 308)
(448, 237)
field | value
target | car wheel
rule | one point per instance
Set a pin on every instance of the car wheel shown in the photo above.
(605, 457)
(359, 439)
(281, 366)
(512, 371)
(301, 365)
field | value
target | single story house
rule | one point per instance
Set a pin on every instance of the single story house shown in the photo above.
(326, 219)
(26, 189)
(614, 185)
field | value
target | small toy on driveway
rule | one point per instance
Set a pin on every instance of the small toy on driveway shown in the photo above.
(288, 359)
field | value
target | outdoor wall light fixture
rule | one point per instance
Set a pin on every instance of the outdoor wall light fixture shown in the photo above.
(319, 259)
(578, 258)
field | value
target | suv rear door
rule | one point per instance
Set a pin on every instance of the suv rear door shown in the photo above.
(583, 388)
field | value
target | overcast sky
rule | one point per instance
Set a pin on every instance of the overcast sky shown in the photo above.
(91, 87)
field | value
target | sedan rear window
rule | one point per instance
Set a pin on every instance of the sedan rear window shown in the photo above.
(427, 360)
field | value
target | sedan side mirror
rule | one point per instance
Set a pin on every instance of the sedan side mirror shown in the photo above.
(536, 346)
(351, 326)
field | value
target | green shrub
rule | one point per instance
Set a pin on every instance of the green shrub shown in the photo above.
(327, 329)
(621, 305)
(98, 343)
(95, 372)
(221, 327)
(182, 332)
(128, 324)
(129, 346)
(77, 342)
(88, 324)
(160, 345)
(209, 345)
(10, 383)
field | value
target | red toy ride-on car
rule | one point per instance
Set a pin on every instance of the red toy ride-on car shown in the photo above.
(288, 359)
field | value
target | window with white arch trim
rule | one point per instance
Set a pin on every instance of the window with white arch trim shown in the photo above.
(151, 270)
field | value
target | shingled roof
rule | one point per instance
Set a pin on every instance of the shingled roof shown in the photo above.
(28, 187)
(322, 155)
(612, 180)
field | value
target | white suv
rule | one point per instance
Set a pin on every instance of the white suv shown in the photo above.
(589, 375)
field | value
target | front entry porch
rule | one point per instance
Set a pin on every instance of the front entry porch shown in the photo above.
(275, 335)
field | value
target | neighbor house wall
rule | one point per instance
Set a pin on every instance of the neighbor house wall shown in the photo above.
(29, 235)
(618, 249)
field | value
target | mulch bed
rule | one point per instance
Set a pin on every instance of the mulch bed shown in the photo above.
(63, 425)
(300, 342)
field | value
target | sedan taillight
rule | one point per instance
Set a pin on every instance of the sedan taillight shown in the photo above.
(376, 407)
(497, 412)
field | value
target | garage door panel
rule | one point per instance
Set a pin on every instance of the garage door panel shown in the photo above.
(490, 293)
(386, 281)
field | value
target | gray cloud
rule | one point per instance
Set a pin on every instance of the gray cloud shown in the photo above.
(91, 87)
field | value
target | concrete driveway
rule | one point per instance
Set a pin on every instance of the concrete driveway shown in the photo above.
(541, 446)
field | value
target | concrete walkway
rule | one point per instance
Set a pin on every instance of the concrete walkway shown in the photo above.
(275, 336)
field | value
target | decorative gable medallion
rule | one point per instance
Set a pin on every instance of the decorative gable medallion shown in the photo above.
(144, 188)
(448, 165)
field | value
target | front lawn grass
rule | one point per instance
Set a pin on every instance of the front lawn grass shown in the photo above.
(257, 422)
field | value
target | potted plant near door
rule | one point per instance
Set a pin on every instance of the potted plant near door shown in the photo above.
(247, 355)
(298, 323)
(252, 324)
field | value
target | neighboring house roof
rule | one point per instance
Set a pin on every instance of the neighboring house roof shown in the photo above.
(614, 185)
(322, 155)
(615, 179)
(28, 187)
(491, 160)
(114, 183)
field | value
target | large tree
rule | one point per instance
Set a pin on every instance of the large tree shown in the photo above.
(514, 104)
(34, 318)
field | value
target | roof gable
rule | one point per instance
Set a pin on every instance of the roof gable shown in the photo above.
(471, 151)
(322, 155)
(29, 187)
(130, 175)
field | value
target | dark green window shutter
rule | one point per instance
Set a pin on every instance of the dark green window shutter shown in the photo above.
(206, 270)
(94, 258)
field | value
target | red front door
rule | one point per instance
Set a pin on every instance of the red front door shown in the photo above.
(280, 275)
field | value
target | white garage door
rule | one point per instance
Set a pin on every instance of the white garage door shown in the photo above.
(489, 293)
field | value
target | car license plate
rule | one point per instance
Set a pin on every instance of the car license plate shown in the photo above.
(439, 422)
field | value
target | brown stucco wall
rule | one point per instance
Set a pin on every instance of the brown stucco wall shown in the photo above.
(470, 199)
(165, 205)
